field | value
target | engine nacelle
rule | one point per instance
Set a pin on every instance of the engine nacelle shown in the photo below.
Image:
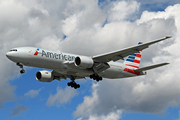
(44, 76)
(83, 62)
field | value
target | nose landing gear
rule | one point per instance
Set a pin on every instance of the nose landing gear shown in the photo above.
(21, 66)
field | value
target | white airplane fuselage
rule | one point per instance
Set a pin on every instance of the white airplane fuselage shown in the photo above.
(63, 63)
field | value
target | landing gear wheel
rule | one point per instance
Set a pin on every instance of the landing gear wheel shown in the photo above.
(22, 71)
(69, 84)
(78, 86)
(73, 85)
(96, 77)
(91, 76)
(21, 66)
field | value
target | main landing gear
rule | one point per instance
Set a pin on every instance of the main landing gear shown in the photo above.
(21, 66)
(73, 84)
(96, 77)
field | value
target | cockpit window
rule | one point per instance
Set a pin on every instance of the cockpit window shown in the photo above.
(13, 50)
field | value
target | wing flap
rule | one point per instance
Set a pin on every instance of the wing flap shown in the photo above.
(151, 67)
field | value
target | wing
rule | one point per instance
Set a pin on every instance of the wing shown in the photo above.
(120, 54)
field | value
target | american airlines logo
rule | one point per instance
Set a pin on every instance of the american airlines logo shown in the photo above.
(60, 56)
(36, 53)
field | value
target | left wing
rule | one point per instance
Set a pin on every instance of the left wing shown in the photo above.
(120, 54)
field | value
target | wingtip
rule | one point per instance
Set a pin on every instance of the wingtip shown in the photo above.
(166, 63)
(168, 36)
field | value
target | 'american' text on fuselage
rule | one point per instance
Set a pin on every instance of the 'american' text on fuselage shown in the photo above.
(58, 56)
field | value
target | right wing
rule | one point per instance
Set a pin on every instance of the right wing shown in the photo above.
(120, 54)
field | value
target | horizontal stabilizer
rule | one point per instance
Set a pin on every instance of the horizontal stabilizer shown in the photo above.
(151, 67)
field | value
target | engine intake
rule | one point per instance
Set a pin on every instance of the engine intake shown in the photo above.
(84, 62)
(44, 76)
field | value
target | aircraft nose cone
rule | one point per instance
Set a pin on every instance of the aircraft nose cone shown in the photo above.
(8, 55)
(11, 56)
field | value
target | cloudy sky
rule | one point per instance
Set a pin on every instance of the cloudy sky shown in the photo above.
(89, 28)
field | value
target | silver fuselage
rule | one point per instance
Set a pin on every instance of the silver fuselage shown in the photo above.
(62, 62)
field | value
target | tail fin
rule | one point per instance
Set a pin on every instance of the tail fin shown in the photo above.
(133, 61)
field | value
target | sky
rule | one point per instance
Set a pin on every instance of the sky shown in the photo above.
(90, 28)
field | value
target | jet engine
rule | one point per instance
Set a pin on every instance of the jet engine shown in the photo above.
(84, 62)
(44, 76)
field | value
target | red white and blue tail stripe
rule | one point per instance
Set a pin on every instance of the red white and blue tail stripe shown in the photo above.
(133, 61)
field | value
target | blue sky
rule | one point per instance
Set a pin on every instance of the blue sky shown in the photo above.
(81, 27)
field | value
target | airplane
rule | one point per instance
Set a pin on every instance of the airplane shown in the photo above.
(66, 65)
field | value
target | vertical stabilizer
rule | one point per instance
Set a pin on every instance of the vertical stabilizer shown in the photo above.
(133, 61)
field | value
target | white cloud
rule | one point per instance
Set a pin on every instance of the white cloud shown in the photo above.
(32, 93)
(89, 103)
(61, 97)
(121, 10)
(50, 41)
(88, 13)
(111, 116)
(70, 24)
